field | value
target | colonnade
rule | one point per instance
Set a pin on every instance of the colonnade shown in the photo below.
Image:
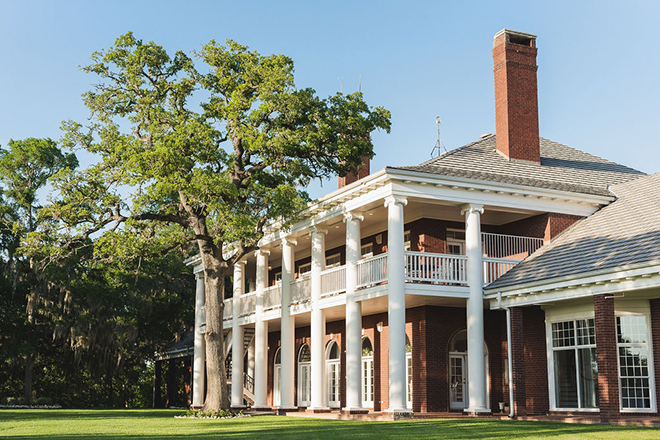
(396, 287)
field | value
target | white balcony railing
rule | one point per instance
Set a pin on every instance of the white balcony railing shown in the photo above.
(496, 267)
(273, 297)
(372, 270)
(428, 267)
(333, 281)
(301, 290)
(509, 246)
(248, 304)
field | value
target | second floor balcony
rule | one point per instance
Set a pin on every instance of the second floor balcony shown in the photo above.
(501, 253)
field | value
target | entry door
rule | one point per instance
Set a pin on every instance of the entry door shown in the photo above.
(304, 384)
(333, 383)
(276, 385)
(458, 389)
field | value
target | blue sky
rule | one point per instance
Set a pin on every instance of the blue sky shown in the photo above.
(598, 63)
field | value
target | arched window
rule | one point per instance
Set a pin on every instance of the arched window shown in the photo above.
(367, 373)
(333, 364)
(277, 377)
(458, 371)
(409, 374)
(304, 376)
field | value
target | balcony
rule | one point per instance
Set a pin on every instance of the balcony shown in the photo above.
(501, 253)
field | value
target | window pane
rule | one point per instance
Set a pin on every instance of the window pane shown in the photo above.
(563, 334)
(631, 329)
(585, 331)
(588, 378)
(565, 379)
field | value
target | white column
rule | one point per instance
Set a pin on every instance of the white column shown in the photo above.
(199, 353)
(353, 315)
(475, 310)
(317, 335)
(396, 304)
(261, 335)
(237, 339)
(287, 329)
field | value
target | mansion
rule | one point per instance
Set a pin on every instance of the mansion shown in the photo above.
(513, 274)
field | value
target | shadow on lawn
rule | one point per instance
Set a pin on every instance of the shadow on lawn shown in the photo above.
(147, 424)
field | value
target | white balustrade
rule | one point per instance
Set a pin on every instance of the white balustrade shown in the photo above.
(509, 246)
(436, 268)
(229, 310)
(372, 270)
(248, 304)
(496, 267)
(301, 290)
(333, 281)
(273, 296)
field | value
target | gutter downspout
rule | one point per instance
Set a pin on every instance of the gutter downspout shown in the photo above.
(510, 351)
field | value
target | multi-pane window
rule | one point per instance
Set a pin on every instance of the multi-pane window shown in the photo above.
(367, 373)
(367, 250)
(333, 371)
(305, 269)
(333, 261)
(409, 374)
(575, 368)
(406, 241)
(633, 347)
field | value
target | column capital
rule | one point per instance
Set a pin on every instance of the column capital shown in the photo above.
(471, 208)
(291, 241)
(351, 216)
(317, 230)
(395, 200)
(241, 262)
(261, 252)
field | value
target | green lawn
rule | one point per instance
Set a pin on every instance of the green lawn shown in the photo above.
(161, 424)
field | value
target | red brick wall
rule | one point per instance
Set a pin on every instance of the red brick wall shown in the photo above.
(518, 357)
(546, 226)
(362, 172)
(608, 378)
(516, 99)
(536, 361)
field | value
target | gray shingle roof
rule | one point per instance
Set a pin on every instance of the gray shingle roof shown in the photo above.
(623, 233)
(562, 168)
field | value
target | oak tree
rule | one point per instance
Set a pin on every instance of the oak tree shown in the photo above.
(218, 143)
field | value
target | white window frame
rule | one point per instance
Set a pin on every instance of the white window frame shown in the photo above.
(365, 247)
(406, 240)
(551, 370)
(278, 277)
(367, 381)
(650, 360)
(456, 241)
(335, 264)
(307, 270)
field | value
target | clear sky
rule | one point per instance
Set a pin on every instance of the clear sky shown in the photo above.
(599, 63)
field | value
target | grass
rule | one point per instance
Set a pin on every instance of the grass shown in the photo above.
(161, 424)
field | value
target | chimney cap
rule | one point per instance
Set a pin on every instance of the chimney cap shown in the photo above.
(516, 37)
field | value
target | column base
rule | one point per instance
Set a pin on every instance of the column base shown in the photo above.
(318, 410)
(399, 413)
(477, 411)
(262, 408)
(282, 410)
(354, 411)
(238, 407)
(196, 407)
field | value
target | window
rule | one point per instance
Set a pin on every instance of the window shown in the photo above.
(333, 261)
(367, 250)
(278, 277)
(574, 364)
(305, 269)
(332, 364)
(634, 376)
(367, 373)
(406, 241)
(455, 242)
(277, 378)
(304, 376)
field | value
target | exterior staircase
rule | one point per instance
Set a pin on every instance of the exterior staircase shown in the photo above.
(248, 381)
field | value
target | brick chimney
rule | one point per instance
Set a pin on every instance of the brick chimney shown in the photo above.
(363, 171)
(516, 95)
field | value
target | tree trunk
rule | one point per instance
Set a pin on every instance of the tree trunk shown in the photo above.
(27, 383)
(217, 395)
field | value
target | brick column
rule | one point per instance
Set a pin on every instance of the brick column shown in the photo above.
(518, 357)
(608, 377)
(655, 341)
